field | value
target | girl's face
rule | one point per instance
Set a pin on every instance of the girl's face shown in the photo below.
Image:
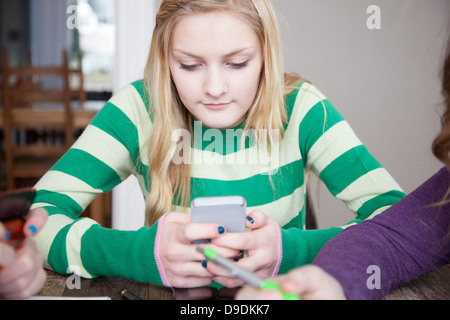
(216, 62)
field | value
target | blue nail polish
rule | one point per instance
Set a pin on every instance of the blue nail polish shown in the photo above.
(205, 264)
(32, 228)
(250, 219)
(7, 235)
(221, 230)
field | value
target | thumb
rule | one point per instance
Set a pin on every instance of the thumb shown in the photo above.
(7, 255)
(35, 222)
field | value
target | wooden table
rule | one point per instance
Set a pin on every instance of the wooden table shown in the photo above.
(56, 286)
(434, 286)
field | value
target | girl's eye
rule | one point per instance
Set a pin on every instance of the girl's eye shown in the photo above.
(193, 67)
(189, 67)
(238, 65)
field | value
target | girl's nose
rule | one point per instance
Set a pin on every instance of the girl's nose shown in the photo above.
(215, 83)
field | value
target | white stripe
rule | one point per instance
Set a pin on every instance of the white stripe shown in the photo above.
(366, 187)
(282, 210)
(130, 102)
(73, 246)
(109, 151)
(330, 146)
(44, 239)
(237, 166)
(378, 211)
(41, 204)
(52, 181)
(373, 215)
(308, 96)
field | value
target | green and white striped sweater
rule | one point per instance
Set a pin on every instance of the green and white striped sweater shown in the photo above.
(114, 146)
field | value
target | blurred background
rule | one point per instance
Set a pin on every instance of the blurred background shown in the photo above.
(44, 28)
(385, 81)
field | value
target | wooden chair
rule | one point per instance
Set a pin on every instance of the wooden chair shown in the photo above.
(77, 93)
(28, 158)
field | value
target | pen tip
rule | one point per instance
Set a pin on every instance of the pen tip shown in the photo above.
(200, 249)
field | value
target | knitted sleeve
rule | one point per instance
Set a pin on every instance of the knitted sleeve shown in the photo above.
(105, 155)
(333, 152)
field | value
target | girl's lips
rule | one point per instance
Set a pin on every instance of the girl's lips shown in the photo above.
(216, 106)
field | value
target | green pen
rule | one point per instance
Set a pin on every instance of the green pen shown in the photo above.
(245, 275)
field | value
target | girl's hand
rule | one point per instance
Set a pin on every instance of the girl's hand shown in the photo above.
(35, 222)
(21, 272)
(181, 261)
(261, 244)
(310, 282)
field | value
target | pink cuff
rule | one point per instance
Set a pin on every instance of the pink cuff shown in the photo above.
(280, 250)
(162, 273)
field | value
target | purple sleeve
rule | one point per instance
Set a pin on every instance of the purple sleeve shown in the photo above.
(408, 240)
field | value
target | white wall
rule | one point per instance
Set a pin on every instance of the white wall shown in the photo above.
(134, 27)
(385, 82)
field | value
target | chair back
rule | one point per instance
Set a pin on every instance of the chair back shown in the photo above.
(37, 118)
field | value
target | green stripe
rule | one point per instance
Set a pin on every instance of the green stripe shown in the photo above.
(347, 168)
(114, 122)
(71, 208)
(303, 246)
(316, 123)
(57, 256)
(140, 88)
(289, 102)
(297, 222)
(382, 200)
(256, 190)
(84, 166)
(127, 254)
(222, 142)
(54, 210)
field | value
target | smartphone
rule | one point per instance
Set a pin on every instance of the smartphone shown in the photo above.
(229, 212)
(14, 206)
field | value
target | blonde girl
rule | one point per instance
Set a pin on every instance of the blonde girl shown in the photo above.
(214, 95)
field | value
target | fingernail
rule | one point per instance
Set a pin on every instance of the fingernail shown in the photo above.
(250, 219)
(7, 235)
(221, 230)
(32, 228)
(205, 264)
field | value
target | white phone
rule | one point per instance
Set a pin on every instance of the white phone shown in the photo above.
(229, 212)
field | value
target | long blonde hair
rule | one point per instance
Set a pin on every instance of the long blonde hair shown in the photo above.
(169, 183)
